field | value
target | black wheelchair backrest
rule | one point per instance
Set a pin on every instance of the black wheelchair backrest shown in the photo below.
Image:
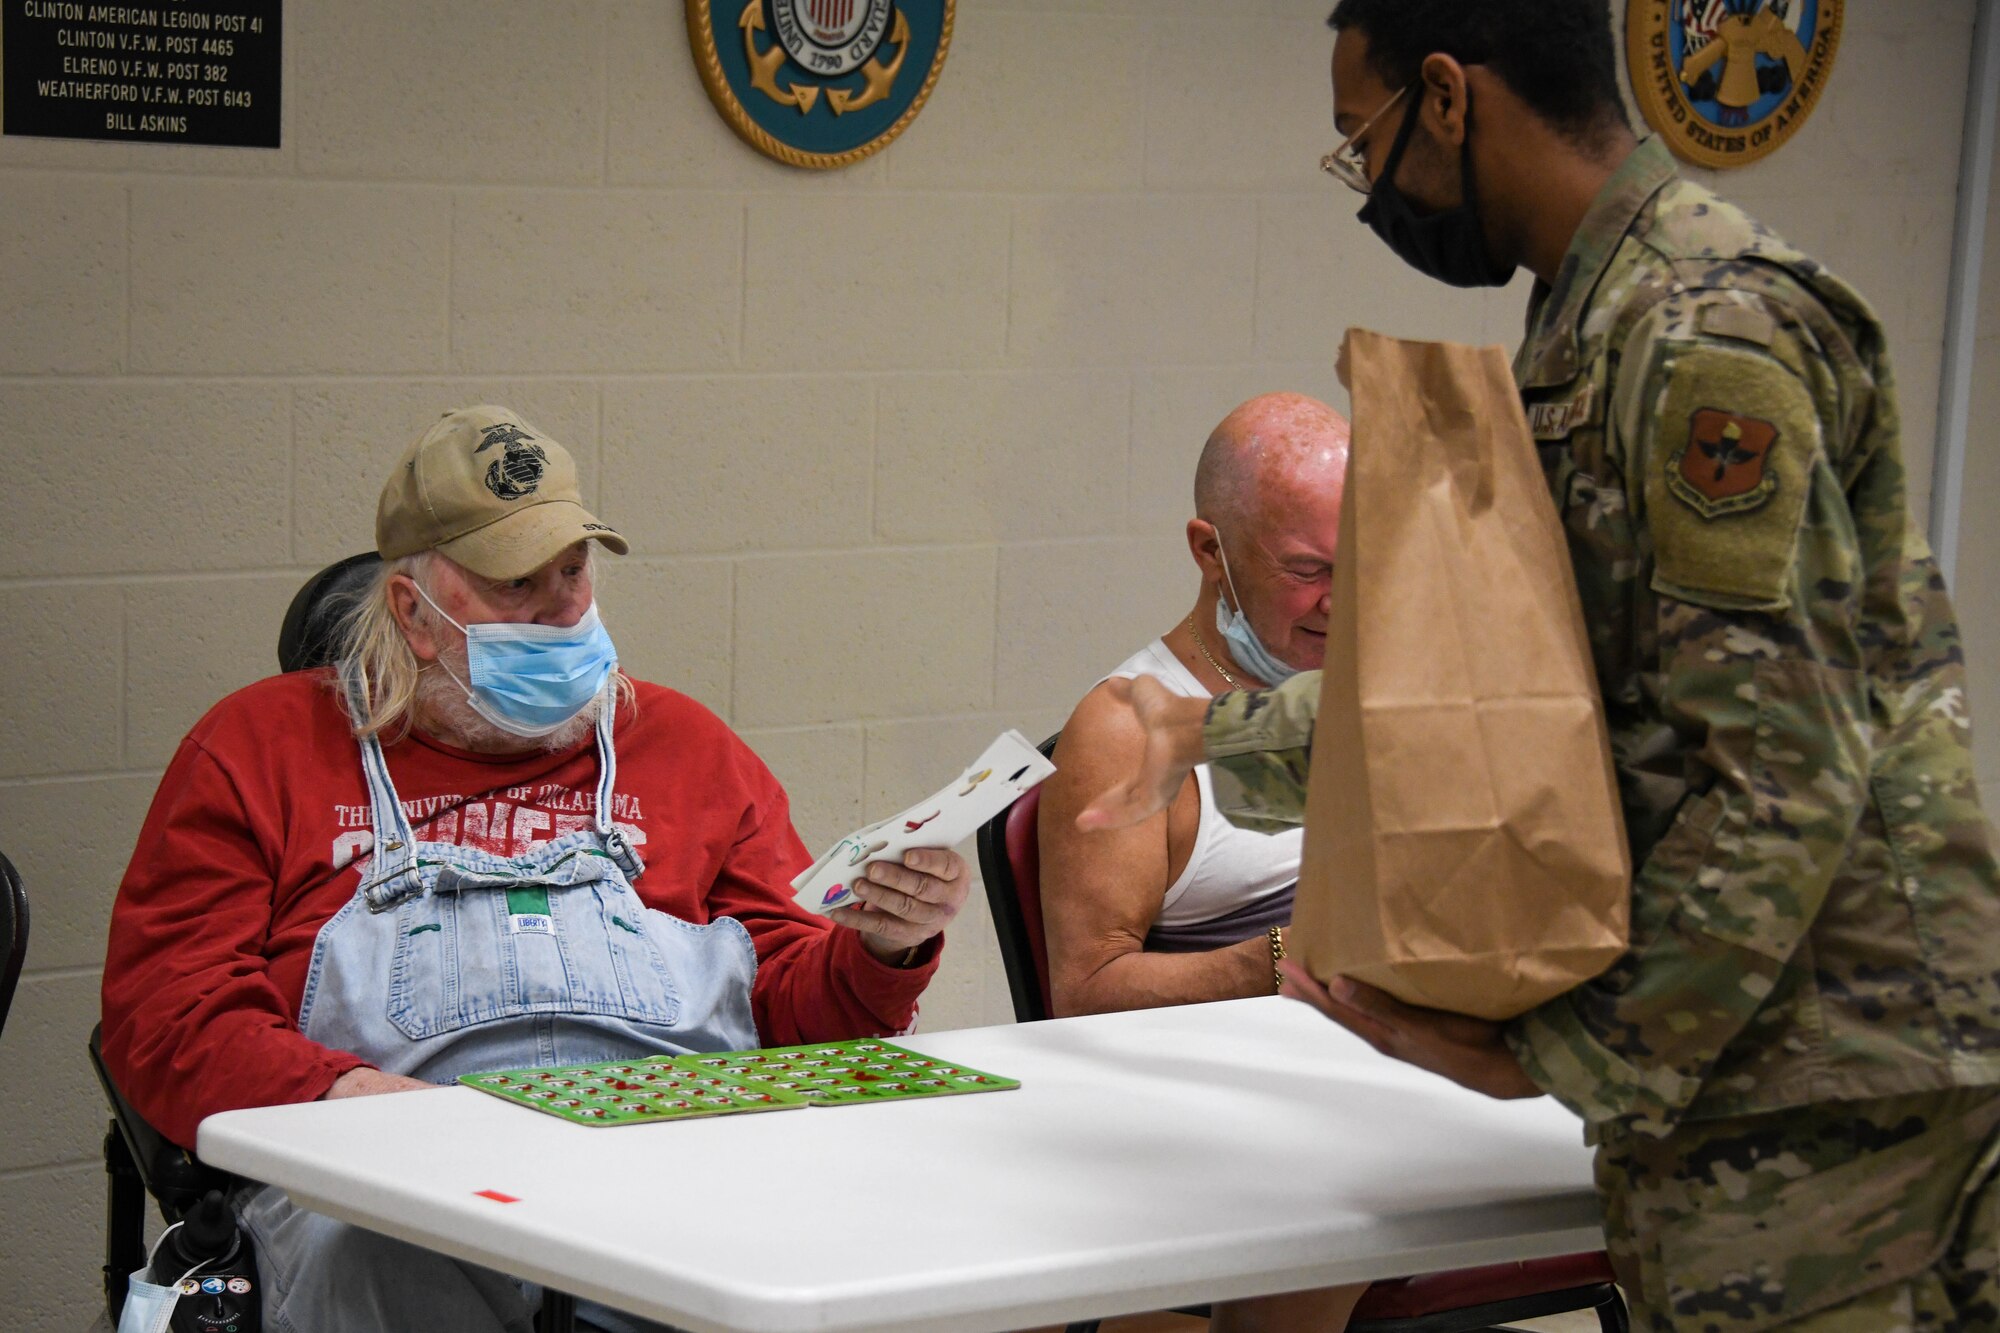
(306, 640)
(14, 918)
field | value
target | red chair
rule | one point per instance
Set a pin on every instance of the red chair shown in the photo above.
(1464, 1300)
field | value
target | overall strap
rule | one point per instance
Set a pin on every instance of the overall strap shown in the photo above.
(607, 780)
(392, 875)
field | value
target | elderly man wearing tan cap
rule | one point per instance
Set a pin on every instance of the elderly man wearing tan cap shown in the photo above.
(473, 844)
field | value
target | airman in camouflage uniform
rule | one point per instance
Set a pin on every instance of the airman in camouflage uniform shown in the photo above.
(1790, 1076)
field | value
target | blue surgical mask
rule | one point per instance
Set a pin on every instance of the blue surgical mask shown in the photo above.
(149, 1307)
(529, 680)
(1244, 645)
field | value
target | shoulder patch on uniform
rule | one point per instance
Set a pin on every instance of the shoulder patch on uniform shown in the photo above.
(1724, 466)
(1744, 323)
(1733, 438)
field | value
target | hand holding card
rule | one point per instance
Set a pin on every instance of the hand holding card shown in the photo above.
(1007, 768)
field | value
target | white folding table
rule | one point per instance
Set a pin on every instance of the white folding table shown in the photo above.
(1149, 1160)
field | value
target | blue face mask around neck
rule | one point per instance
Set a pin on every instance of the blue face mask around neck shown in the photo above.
(1244, 645)
(530, 680)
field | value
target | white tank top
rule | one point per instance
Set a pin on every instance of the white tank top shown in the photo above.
(1230, 868)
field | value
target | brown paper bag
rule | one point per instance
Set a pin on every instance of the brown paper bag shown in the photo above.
(1464, 848)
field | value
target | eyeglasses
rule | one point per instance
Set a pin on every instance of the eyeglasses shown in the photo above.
(1346, 163)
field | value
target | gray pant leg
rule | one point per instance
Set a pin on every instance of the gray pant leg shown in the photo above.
(323, 1276)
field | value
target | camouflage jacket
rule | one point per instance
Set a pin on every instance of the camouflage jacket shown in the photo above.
(1816, 908)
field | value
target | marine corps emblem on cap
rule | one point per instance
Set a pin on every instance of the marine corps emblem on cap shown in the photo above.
(819, 83)
(1727, 81)
(518, 468)
(489, 491)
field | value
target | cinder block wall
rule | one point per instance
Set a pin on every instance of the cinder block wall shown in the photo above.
(904, 450)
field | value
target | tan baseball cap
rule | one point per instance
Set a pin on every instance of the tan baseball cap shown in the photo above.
(490, 491)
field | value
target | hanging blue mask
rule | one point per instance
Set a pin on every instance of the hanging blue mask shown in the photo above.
(529, 680)
(149, 1307)
(1244, 645)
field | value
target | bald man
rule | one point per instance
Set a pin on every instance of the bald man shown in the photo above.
(1185, 906)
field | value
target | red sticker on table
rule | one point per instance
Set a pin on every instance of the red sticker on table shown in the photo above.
(496, 1196)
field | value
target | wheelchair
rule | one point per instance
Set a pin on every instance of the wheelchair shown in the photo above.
(138, 1159)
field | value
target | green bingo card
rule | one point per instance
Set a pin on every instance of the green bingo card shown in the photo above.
(681, 1087)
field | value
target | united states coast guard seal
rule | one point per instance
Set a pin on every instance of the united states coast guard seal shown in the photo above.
(1728, 81)
(819, 83)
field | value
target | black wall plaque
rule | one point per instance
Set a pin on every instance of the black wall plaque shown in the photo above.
(164, 71)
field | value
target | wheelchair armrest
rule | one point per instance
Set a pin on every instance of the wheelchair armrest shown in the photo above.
(170, 1173)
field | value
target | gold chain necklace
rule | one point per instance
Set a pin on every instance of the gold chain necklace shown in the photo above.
(1234, 683)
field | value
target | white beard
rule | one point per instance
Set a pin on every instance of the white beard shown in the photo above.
(443, 710)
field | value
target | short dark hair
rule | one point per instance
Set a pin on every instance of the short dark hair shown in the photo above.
(1556, 55)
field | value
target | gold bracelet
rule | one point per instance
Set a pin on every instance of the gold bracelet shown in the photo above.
(1278, 955)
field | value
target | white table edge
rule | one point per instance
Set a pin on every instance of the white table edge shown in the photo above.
(1175, 1271)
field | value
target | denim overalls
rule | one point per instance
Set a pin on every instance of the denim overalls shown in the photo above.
(449, 960)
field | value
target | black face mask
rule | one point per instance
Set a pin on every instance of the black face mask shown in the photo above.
(1449, 246)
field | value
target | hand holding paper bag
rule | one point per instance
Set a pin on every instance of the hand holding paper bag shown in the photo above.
(1471, 1052)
